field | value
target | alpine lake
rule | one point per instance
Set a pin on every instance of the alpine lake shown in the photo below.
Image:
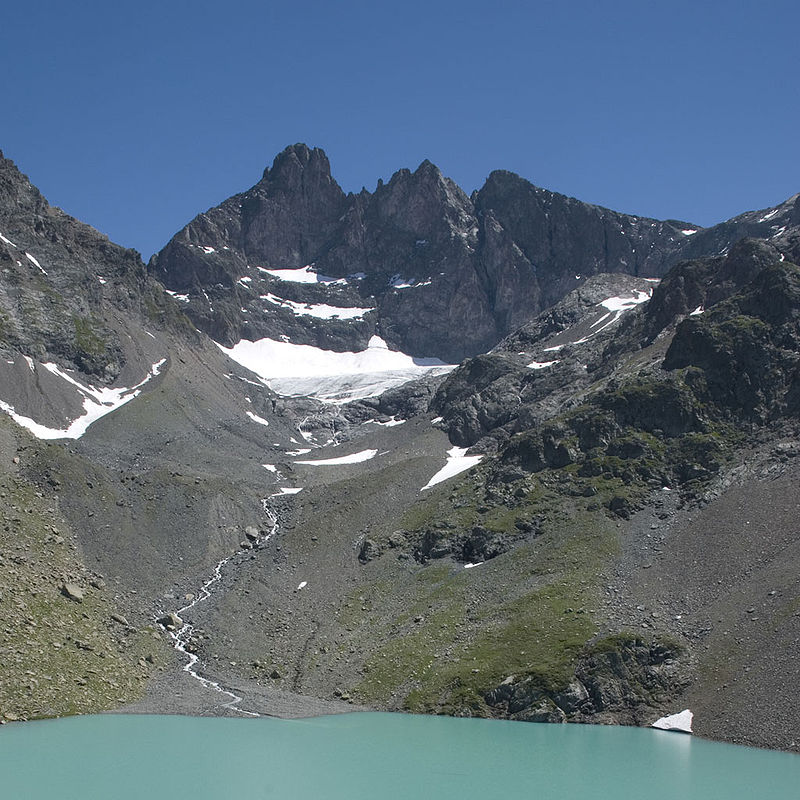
(375, 756)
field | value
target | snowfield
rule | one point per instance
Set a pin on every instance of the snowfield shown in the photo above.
(303, 370)
(302, 275)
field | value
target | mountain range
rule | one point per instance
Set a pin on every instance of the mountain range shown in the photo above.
(503, 454)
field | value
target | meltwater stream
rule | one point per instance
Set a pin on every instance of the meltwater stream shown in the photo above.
(181, 637)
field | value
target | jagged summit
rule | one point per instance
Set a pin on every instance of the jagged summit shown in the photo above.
(296, 155)
(447, 275)
(296, 166)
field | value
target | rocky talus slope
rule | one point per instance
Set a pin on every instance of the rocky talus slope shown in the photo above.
(614, 534)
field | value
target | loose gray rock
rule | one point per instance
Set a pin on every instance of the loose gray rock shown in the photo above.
(73, 592)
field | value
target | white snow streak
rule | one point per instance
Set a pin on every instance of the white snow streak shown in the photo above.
(35, 262)
(353, 458)
(318, 310)
(399, 282)
(7, 241)
(541, 364)
(256, 418)
(457, 462)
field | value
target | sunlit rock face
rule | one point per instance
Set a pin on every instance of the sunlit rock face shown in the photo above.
(434, 271)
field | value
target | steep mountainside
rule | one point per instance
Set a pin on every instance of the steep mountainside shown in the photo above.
(588, 515)
(411, 261)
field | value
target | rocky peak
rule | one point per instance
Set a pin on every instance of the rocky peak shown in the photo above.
(563, 237)
(298, 166)
(16, 191)
(67, 294)
(423, 203)
(447, 275)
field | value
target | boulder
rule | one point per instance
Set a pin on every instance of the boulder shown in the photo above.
(252, 533)
(72, 591)
(170, 621)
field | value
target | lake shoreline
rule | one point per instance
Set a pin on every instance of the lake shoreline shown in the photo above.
(175, 692)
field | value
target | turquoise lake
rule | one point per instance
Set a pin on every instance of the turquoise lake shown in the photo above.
(375, 756)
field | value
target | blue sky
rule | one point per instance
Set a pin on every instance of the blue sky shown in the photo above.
(136, 117)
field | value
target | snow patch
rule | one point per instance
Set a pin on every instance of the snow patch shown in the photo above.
(270, 468)
(390, 423)
(541, 364)
(769, 215)
(689, 231)
(457, 461)
(302, 275)
(287, 490)
(625, 303)
(256, 418)
(184, 298)
(681, 721)
(616, 307)
(698, 310)
(7, 241)
(353, 458)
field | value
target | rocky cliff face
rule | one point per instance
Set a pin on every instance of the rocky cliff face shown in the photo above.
(438, 273)
(67, 293)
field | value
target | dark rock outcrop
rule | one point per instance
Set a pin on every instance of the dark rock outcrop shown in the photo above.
(68, 294)
(444, 274)
(621, 679)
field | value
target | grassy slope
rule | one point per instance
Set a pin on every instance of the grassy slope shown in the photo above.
(58, 656)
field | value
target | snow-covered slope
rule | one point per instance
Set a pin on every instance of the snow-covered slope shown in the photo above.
(335, 377)
(97, 402)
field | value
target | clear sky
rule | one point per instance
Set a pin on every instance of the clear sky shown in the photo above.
(135, 117)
